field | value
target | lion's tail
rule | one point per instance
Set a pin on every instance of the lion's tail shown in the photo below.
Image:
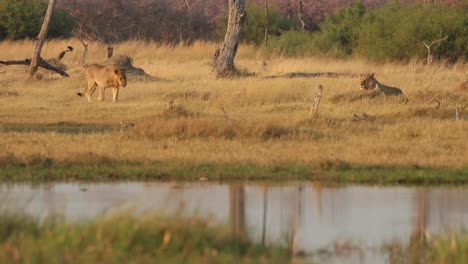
(80, 94)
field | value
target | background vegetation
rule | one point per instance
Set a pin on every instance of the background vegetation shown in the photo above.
(374, 30)
(21, 19)
(392, 32)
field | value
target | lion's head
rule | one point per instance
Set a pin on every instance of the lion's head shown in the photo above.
(367, 81)
(120, 78)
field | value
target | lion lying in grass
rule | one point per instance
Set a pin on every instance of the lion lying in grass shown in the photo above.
(104, 77)
(368, 82)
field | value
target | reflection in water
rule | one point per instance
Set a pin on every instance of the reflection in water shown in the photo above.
(420, 218)
(237, 208)
(265, 210)
(307, 217)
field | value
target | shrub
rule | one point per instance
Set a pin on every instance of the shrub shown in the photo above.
(292, 44)
(392, 32)
(337, 37)
(23, 19)
(339, 33)
(254, 25)
(397, 32)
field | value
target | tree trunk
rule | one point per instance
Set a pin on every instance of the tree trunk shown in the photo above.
(267, 23)
(224, 57)
(301, 15)
(40, 40)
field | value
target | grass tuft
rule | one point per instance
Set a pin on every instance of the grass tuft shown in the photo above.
(127, 239)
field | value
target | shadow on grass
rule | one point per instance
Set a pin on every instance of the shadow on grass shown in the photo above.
(60, 127)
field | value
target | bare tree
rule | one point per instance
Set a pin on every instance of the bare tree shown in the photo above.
(267, 23)
(430, 58)
(301, 15)
(36, 57)
(224, 57)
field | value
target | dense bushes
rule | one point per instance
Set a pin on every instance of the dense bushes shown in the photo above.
(390, 32)
(23, 19)
(398, 32)
(254, 25)
(393, 32)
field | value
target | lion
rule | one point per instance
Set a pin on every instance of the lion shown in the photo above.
(104, 77)
(368, 82)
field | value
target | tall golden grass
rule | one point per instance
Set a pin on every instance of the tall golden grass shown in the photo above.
(270, 116)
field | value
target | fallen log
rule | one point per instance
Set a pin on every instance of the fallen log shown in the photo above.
(312, 75)
(41, 63)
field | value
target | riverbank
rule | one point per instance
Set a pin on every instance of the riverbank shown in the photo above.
(39, 169)
(150, 238)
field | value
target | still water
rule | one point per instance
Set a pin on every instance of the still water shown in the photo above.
(317, 221)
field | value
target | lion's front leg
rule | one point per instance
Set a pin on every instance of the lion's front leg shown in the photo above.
(102, 92)
(115, 94)
(91, 87)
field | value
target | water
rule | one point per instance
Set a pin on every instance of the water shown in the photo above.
(349, 223)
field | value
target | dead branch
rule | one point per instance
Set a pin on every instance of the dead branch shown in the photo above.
(316, 102)
(187, 4)
(110, 52)
(363, 117)
(226, 116)
(429, 55)
(434, 42)
(85, 45)
(170, 105)
(41, 63)
(459, 112)
(62, 54)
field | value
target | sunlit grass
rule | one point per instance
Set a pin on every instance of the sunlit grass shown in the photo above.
(128, 239)
(270, 117)
(449, 248)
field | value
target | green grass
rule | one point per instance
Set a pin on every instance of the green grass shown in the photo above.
(159, 239)
(126, 239)
(39, 168)
(449, 248)
(59, 127)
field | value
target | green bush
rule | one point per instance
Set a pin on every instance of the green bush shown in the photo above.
(392, 32)
(291, 44)
(338, 36)
(339, 33)
(397, 32)
(254, 25)
(23, 19)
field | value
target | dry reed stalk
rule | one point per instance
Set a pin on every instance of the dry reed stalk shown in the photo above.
(316, 102)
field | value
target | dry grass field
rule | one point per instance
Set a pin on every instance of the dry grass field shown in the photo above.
(271, 123)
